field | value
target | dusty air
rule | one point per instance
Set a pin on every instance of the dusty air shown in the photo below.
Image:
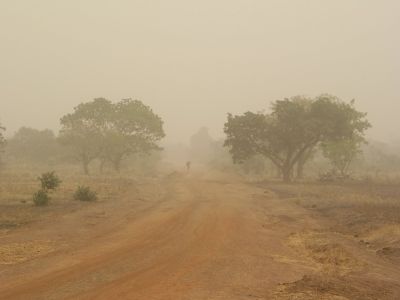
(199, 150)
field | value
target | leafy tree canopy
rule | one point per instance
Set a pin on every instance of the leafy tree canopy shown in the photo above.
(293, 127)
(102, 129)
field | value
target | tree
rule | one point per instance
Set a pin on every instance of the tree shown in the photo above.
(292, 129)
(33, 145)
(83, 130)
(132, 128)
(341, 153)
(201, 145)
(111, 132)
(304, 158)
(306, 102)
(2, 139)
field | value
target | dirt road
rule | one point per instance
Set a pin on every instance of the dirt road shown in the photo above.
(199, 239)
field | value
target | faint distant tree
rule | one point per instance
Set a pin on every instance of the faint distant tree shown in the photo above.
(341, 153)
(380, 157)
(291, 130)
(33, 145)
(83, 130)
(2, 139)
(201, 145)
(132, 129)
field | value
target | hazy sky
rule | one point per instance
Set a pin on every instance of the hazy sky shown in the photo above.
(194, 61)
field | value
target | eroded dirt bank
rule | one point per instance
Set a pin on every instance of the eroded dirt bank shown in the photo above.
(193, 238)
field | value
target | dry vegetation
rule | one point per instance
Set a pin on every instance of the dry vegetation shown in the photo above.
(357, 215)
(17, 210)
(357, 209)
(342, 240)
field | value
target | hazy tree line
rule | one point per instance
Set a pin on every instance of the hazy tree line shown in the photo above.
(323, 136)
(98, 130)
(295, 135)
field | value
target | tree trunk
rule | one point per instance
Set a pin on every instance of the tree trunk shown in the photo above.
(85, 165)
(300, 169)
(278, 172)
(287, 173)
(102, 163)
(302, 162)
(117, 164)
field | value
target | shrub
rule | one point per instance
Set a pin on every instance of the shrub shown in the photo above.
(49, 181)
(333, 176)
(84, 193)
(41, 198)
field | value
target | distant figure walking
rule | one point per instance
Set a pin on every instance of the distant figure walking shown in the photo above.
(188, 164)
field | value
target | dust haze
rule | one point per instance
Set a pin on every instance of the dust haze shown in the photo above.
(195, 61)
(175, 150)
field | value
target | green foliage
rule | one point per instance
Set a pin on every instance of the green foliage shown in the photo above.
(133, 128)
(82, 130)
(49, 181)
(41, 198)
(293, 128)
(254, 165)
(341, 153)
(111, 132)
(84, 193)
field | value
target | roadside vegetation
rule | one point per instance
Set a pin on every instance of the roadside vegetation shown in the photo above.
(310, 154)
(295, 128)
(84, 193)
(318, 143)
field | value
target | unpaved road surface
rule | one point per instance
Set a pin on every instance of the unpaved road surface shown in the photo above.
(195, 239)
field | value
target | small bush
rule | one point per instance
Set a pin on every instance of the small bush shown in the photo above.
(49, 181)
(41, 198)
(333, 176)
(83, 193)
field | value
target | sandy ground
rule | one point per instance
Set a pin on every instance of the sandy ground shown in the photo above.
(192, 238)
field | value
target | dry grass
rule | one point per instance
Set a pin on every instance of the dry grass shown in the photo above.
(18, 213)
(369, 213)
(330, 257)
(313, 287)
(357, 215)
(17, 188)
(355, 208)
(20, 252)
